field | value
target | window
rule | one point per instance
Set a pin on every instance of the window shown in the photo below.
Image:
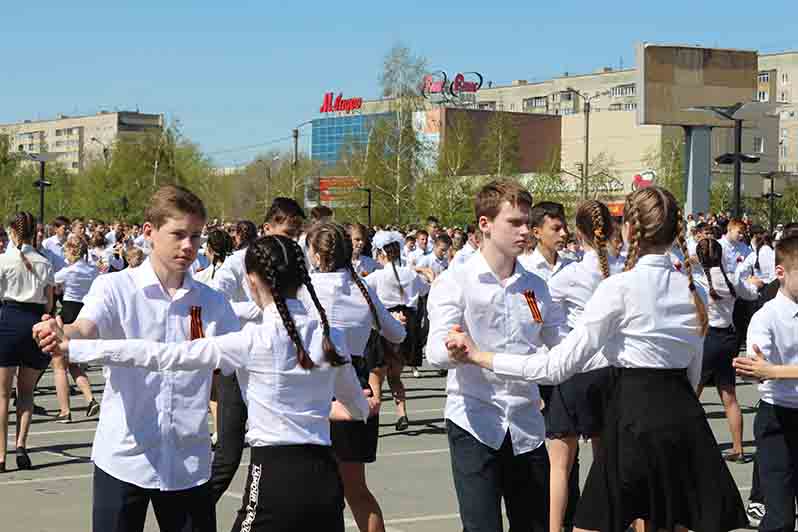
(567, 96)
(783, 97)
(764, 77)
(566, 111)
(538, 102)
(762, 96)
(615, 107)
(783, 133)
(630, 106)
(59, 132)
(75, 165)
(624, 90)
(783, 150)
(785, 78)
(759, 145)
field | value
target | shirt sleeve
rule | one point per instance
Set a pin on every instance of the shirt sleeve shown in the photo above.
(578, 352)
(445, 309)
(420, 284)
(555, 327)
(98, 305)
(61, 276)
(349, 393)
(760, 335)
(227, 353)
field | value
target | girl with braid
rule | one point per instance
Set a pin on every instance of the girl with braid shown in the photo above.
(26, 289)
(720, 344)
(354, 309)
(399, 288)
(289, 368)
(576, 407)
(658, 460)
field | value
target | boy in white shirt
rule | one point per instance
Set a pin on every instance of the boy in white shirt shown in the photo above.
(152, 442)
(437, 261)
(495, 428)
(547, 220)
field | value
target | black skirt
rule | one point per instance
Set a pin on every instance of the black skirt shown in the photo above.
(355, 441)
(576, 407)
(659, 460)
(70, 311)
(720, 348)
(409, 350)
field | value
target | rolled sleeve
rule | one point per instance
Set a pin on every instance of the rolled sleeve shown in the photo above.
(445, 308)
(98, 306)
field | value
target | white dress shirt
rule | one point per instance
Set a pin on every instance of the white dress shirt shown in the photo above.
(54, 245)
(433, 263)
(497, 316)
(286, 404)
(412, 258)
(100, 256)
(463, 254)
(231, 280)
(348, 311)
(767, 265)
(733, 254)
(643, 318)
(576, 282)
(153, 431)
(76, 279)
(720, 310)
(536, 263)
(383, 282)
(365, 265)
(143, 244)
(774, 329)
(20, 285)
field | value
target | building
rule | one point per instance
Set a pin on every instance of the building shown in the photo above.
(79, 139)
(777, 74)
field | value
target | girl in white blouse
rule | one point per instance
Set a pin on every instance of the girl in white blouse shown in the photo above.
(659, 460)
(289, 370)
(26, 290)
(399, 288)
(363, 264)
(353, 308)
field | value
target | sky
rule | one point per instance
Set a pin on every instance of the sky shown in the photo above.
(238, 76)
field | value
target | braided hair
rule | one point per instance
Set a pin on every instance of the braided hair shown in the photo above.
(221, 244)
(655, 220)
(393, 253)
(24, 227)
(710, 255)
(280, 263)
(594, 221)
(334, 247)
(247, 232)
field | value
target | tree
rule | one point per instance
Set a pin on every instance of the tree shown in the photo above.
(668, 163)
(501, 149)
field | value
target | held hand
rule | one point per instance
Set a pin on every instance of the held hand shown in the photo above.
(400, 317)
(460, 345)
(756, 281)
(757, 367)
(51, 338)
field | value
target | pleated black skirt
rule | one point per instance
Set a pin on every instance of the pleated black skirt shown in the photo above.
(659, 460)
(576, 406)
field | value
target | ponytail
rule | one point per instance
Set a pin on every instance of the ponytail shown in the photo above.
(24, 227)
(700, 307)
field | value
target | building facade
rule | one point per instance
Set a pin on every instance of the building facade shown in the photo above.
(79, 139)
(778, 76)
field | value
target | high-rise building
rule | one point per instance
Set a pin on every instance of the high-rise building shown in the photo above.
(778, 74)
(79, 139)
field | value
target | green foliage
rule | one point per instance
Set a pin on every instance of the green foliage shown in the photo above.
(668, 163)
(500, 147)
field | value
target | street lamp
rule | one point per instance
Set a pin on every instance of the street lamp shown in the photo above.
(41, 183)
(105, 148)
(368, 205)
(586, 100)
(295, 136)
(771, 196)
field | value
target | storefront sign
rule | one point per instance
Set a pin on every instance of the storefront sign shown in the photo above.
(437, 83)
(339, 104)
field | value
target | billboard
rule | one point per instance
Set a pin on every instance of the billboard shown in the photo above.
(333, 191)
(674, 78)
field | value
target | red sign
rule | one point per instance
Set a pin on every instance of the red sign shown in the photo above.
(460, 85)
(643, 179)
(332, 187)
(464, 82)
(340, 104)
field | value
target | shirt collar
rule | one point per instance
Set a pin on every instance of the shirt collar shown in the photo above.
(789, 306)
(655, 261)
(483, 270)
(144, 277)
(540, 261)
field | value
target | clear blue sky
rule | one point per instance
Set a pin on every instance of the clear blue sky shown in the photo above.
(241, 73)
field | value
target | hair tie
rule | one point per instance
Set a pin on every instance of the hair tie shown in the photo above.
(598, 232)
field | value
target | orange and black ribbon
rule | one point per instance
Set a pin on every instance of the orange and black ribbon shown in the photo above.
(533, 306)
(196, 323)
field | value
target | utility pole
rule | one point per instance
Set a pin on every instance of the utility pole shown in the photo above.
(587, 150)
(295, 134)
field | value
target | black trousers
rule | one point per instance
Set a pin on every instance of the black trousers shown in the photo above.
(776, 433)
(122, 507)
(292, 488)
(231, 424)
(484, 476)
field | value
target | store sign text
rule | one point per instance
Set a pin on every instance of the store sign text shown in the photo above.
(333, 104)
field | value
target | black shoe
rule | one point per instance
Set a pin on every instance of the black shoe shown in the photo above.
(40, 410)
(64, 418)
(93, 409)
(2, 467)
(402, 423)
(23, 461)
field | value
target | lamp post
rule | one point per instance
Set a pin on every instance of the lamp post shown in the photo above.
(41, 183)
(368, 205)
(771, 196)
(587, 108)
(294, 163)
(105, 149)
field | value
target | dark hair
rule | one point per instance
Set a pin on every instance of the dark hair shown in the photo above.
(710, 255)
(432, 220)
(282, 210)
(59, 221)
(443, 238)
(247, 232)
(422, 232)
(222, 246)
(539, 211)
(410, 238)
(790, 229)
(24, 227)
(334, 246)
(787, 251)
(763, 238)
(393, 253)
(594, 221)
(471, 229)
(320, 212)
(170, 201)
(655, 220)
(280, 263)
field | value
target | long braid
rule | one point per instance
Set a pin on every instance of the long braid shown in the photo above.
(631, 216)
(393, 252)
(23, 229)
(363, 290)
(330, 353)
(729, 285)
(594, 222)
(700, 307)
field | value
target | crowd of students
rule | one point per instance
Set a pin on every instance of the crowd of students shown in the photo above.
(549, 331)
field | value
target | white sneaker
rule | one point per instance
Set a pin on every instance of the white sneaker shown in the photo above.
(755, 513)
(416, 373)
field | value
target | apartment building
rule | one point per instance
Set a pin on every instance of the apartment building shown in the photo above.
(778, 75)
(79, 139)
